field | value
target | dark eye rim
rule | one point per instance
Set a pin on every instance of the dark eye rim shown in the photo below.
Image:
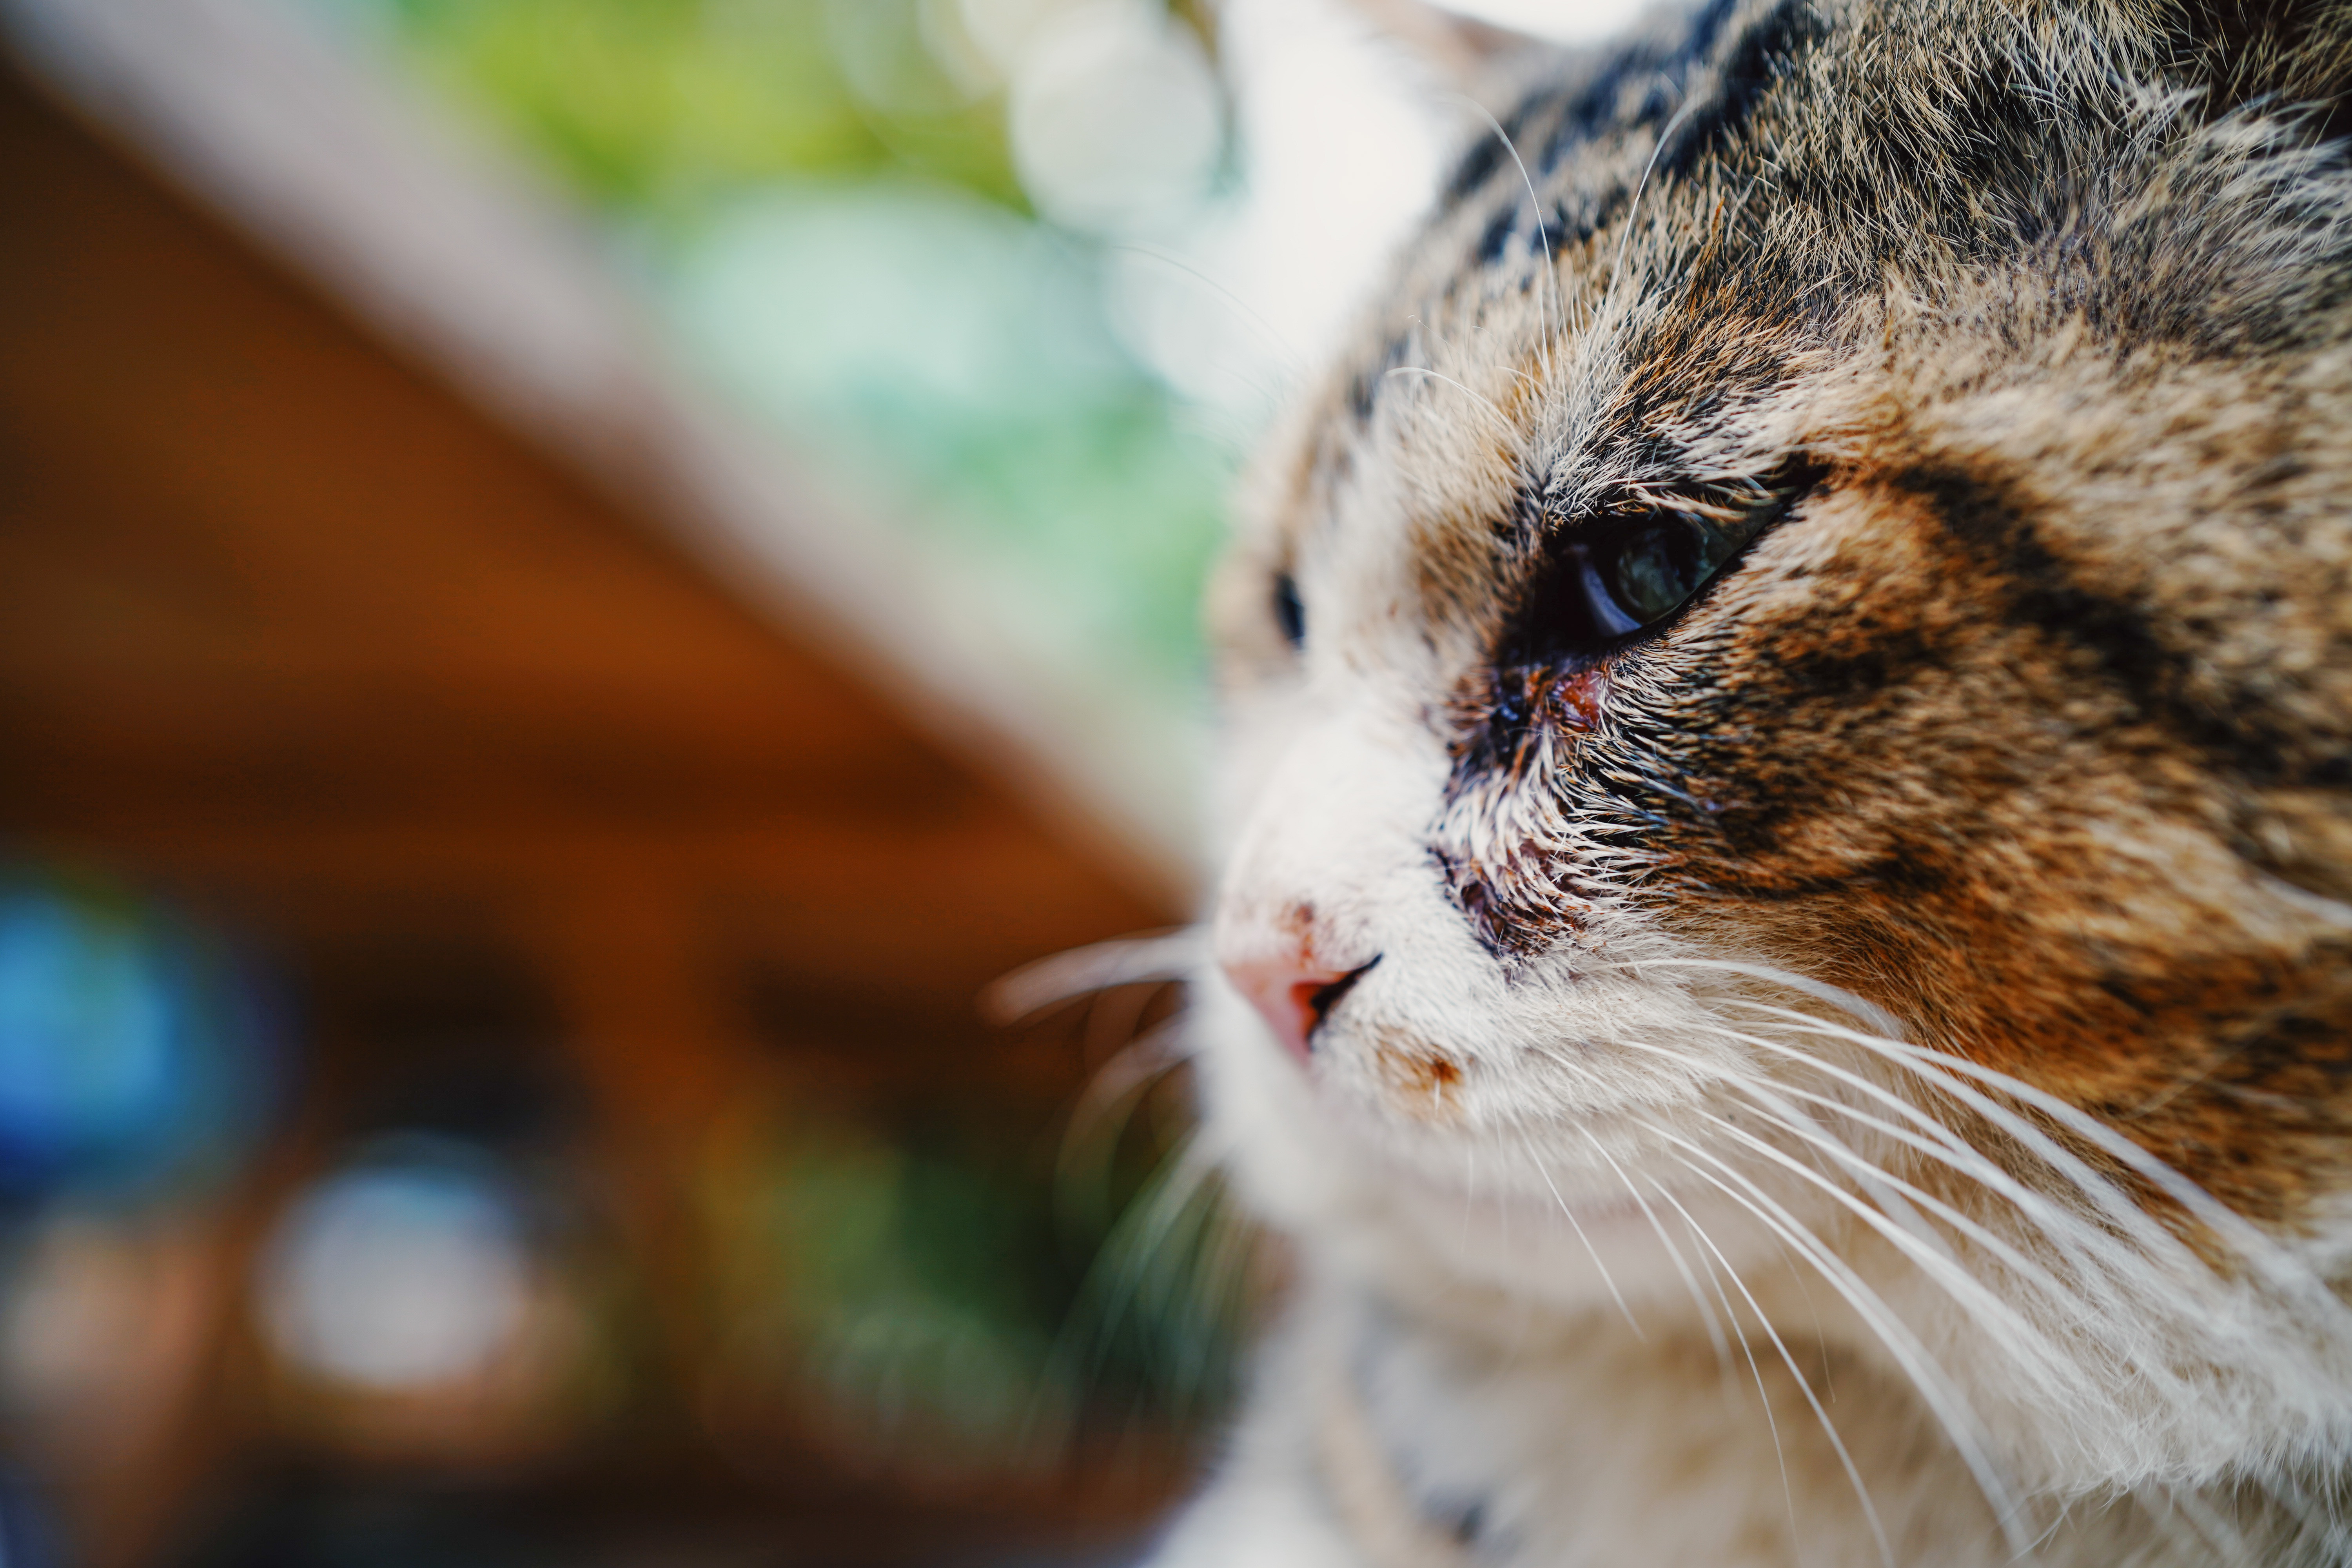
(1556, 626)
(1289, 610)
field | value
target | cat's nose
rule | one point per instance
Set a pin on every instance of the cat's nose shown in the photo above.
(1291, 992)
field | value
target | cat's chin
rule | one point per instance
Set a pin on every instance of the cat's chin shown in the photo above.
(1674, 1252)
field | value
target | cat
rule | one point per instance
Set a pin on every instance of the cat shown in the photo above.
(1784, 963)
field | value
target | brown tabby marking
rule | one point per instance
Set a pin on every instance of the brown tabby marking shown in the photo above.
(2029, 719)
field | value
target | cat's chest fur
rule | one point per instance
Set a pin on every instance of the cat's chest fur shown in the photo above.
(1396, 1444)
(1785, 950)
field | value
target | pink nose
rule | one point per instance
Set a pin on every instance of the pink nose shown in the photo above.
(1293, 998)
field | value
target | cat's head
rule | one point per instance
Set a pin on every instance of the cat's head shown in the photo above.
(1797, 685)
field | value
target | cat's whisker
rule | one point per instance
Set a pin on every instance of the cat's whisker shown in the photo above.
(1955, 1155)
(1159, 1238)
(1469, 1182)
(1690, 1282)
(2019, 1334)
(1961, 1285)
(1569, 1215)
(1096, 1122)
(1297, 362)
(1943, 1146)
(1176, 955)
(2106, 1194)
(1936, 1068)
(1804, 1385)
(1714, 1332)
(1747, 1351)
(2202, 1521)
(1715, 1283)
(1936, 1387)
(1963, 1162)
(1493, 410)
(1544, 299)
(2316, 1518)
(1634, 206)
(2125, 1289)
(1887, 1189)
(2120, 1282)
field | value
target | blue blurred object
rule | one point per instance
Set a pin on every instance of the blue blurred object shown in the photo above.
(132, 1050)
(28, 1531)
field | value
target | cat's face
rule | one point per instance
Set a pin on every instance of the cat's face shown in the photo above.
(1789, 614)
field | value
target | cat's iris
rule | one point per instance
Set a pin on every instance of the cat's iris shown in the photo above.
(1611, 577)
(1635, 576)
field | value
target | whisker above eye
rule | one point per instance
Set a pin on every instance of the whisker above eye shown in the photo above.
(1488, 404)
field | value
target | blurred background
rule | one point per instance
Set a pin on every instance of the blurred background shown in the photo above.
(601, 727)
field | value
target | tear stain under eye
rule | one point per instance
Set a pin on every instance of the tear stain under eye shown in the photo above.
(1497, 902)
(1571, 697)
(1498, 728)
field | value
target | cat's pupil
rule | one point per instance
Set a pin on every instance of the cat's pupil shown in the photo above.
(1288, 613)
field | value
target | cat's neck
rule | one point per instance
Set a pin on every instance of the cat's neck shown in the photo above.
(1503, 1434)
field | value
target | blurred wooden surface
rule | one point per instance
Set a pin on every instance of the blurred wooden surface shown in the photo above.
(290, 630)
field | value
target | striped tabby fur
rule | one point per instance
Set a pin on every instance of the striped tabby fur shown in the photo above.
(1856, 1069)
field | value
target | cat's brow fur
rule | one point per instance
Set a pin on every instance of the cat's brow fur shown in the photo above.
(2024, 737)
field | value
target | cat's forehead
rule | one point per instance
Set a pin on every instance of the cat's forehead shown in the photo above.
(1549, 345)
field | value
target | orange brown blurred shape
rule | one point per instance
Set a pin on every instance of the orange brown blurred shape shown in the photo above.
(514, 790)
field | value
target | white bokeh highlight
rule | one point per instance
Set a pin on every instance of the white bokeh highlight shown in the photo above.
(1116, 119)
(397, 1278)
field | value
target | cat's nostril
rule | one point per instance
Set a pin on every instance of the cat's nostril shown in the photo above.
(1295, 1001)
(1320, 999)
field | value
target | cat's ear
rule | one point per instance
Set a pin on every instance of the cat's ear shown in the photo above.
(1463, 51)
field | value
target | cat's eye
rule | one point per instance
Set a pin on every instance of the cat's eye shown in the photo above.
(1613, 576)
(1636, 575)
(1288, 613)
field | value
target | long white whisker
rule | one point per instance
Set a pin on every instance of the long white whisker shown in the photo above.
(1887, 1188)
(1591, 1251)
(1715, 1334)
(1763, 1394)
(1961, 1285)
(1977, 1169)
(1543, 234)
(2227, 1542)
(1634, 206)
(1853, 1474)
(2309, 1513)
(1811, 1132)
(1945, 1146)
(2127, 1218)
(1033, 987)
(1938, 1067)
(1299, 366)
(1090, 1139)
(1936, 1263)
(1945, 1401)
